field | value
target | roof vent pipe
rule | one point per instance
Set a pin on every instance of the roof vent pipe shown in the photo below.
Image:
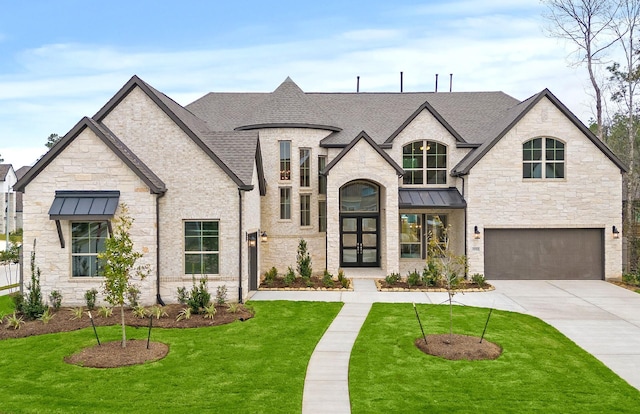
(436, 82)
(400, 82)
(358, 84)
(450, 82)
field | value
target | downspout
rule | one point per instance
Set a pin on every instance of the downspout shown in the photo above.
(239, 245)
(158, 297)
(466, 252)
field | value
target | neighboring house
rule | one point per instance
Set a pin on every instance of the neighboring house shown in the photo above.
(20, 172)
(7, 199)
(525, 189)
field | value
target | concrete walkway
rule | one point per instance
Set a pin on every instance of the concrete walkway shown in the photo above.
(600, 317)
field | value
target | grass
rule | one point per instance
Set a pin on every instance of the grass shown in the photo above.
(6, 305)
(257, 366)
(540, 370)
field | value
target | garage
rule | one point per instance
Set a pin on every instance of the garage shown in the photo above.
(544, 254)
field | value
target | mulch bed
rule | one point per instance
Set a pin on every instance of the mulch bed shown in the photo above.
(627, 286)
(403, 286)
(458, 347)
(111, 355)
(315, 283)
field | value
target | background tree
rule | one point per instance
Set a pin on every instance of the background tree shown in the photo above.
(1, 159)
(588, 25)
(51, 140)
(119, 261)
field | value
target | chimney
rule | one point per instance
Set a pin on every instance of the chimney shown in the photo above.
(436, 82)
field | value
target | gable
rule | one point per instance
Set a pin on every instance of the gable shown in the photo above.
(359, 141)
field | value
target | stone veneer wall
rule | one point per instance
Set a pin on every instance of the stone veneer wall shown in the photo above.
(589, 197)
(284, 235)
(198, 189)
(86, 164)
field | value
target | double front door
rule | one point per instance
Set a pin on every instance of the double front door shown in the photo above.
(359, 244)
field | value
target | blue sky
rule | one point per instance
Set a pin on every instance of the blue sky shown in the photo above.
(61, 60)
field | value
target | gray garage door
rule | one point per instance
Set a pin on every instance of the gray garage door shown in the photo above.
(544, 254)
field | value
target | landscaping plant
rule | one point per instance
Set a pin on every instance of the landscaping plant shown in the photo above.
(343, 280)
(327, 279)
(33, 307)
(76, 313)
(56, 299)
(221, 295)
(270, 276)
(289, 277)
(304, 261)
(120, 267)
(90, 298)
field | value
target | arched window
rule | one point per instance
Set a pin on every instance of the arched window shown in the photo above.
(543, 158)
(425, 162)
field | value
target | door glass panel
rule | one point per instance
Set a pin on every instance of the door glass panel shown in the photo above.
(359, 196)
(369, 255)
(369, 224)
(349, 224)
(349, 256)
(369, 240)
(349, 240)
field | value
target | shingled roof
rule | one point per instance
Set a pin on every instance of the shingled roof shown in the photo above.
(4, 170)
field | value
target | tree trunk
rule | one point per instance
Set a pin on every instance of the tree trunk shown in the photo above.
(124, 332)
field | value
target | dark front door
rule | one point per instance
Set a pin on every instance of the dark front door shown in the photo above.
(359, 242)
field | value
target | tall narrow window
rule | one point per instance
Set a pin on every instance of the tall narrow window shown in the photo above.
(543, 158)
(322, 179)
(411, 236)
(285, 203)
(322, 215)
(425, 162)
(285, 160)
(305, 210)
(87, 240)
(201, 247)
(305, 167)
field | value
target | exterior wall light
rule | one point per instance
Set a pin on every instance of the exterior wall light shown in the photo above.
(476, 232)
(263, 237)
(616, 232)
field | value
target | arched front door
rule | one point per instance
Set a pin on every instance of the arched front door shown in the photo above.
(359, 225)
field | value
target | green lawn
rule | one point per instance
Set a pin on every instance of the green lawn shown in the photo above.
(540, 369)
(257, 366)
(6, 305)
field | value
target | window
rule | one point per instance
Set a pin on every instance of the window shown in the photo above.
(201, 247)
(413, 232)
(87, 240)
(285, 160)
(285, 203)
(305, 167)
(322, 215)
(322, 179)
(543, 152)
(425, 162)
(305, 210)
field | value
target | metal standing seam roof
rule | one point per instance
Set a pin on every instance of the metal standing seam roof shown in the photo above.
(84, 205)
(430, 198)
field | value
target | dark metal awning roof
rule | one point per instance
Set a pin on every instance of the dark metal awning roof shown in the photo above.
(430, 198)
(84, 205)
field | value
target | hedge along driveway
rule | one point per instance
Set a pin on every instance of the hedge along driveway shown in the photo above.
(540, 370)
(255, 366)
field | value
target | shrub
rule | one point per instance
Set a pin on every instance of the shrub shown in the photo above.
(289, 277)
(184, 314)
(197, 298)
(430, 273)
(414, 279)
(343, 280)
(18, 301)
(76, 313)
(133, 295)
(233, 307)
(33, 306)
(221, 295)
(478, 279)
(105, 311)
(56, 299)
(304, 261)
(46, 317)
(210, 311)
(631, 278)
(157, 311)
(90, 298)
(392, 278)
(327, 279)
(270, 276)
(139, 311)
(15, 321)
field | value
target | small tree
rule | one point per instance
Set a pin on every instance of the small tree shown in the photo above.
(33, 306)
(450, 266)
(119, 260)
(304, 260)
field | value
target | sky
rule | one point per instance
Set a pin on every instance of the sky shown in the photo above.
(62, 60)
